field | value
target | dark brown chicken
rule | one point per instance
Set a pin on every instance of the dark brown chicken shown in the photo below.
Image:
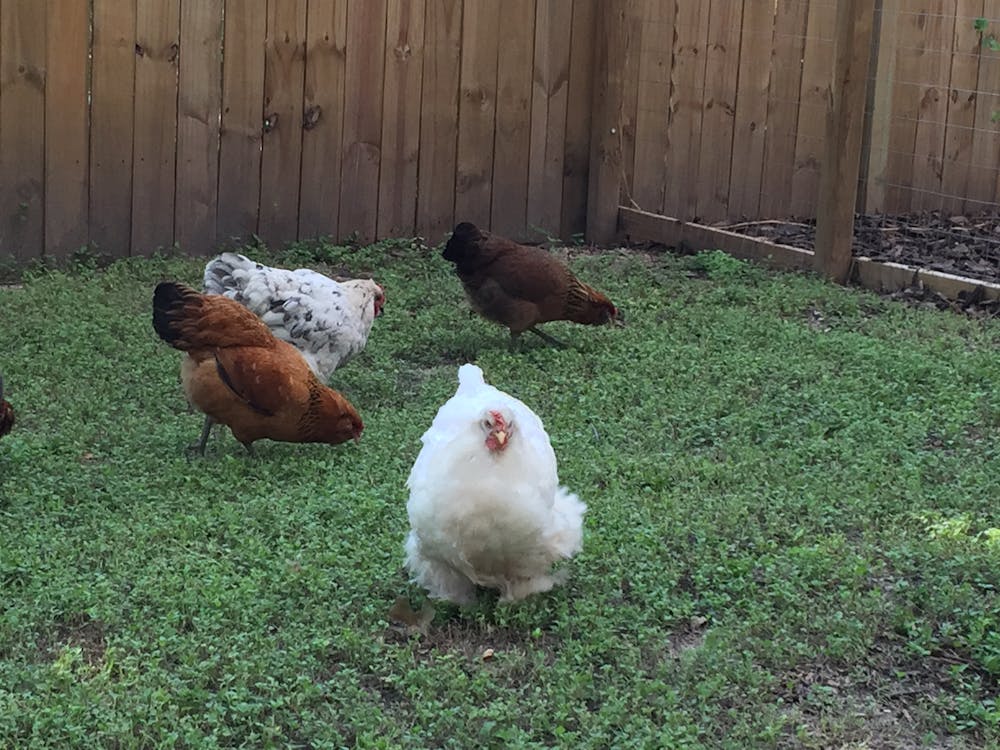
(238, 373)
(6, 413)
(519, 286)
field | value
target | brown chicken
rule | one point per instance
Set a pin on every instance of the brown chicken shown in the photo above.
(6, 413)
(238, 373)
(519, 286)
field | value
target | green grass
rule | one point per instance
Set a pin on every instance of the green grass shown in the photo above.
(791, 539)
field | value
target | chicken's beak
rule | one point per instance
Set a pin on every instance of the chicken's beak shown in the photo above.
(501, 436)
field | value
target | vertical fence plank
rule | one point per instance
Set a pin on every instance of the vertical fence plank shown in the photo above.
(66, 127)
(814, 101)
(404, 57)
(880, 105)
(747, 170)
(578, 119)
(614, 43)
(22, 137)
(439, 118)
(366, 21)
(782, 108)
(111, 111)
(722, 60)
(284, 81)
(513, 121)
(157, 29)
(476, 111)
(842, 146)
(199, 103)
(653, 115)
(904, 114)
(935, 68)
(985, 156)
(549, 100)
(686, 103)
(242, 108)
(961, 106)
(326, 48)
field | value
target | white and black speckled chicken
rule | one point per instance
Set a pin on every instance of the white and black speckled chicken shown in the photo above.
(328, 321)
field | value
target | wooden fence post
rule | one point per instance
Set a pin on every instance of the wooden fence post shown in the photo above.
(838, 185)
(610, 55)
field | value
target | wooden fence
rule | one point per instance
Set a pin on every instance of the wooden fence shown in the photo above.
(138, 124)
(725, 110)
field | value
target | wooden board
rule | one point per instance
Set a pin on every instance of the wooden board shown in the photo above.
(512, 142)
(549, 102)
(880, 106)
(281, 158)
(721, 70)
(749, 125)
(629, 100)
(242, 103)
(476, 111)
(326, 52)
(22, 133)
(934, 68)
(981, 188)
(199, 103)
(67, 136)
(890, 277)
(787, 45)
(154, 150)
(404, 58)
(642, 225)
(687, 102)
(439, 119)
(366, 21)
(814, 101)
(613, 46)
(578, 119)
(907, 91)
(112, 89)
(961, 106)
(838, 184)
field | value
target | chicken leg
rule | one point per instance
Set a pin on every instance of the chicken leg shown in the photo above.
(550, 339)
(515, 340)
(206, 430)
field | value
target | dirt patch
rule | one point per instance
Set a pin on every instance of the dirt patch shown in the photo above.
(80, 631)
(474, 641)
(961, 245)
(878, 705)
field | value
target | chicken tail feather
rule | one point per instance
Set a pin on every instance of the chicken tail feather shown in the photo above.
(168, 300)
(189, 320)
(464, 235)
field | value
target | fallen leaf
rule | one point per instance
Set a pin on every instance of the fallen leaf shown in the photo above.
(488, 654)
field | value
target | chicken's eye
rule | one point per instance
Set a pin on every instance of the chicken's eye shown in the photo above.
(488, 424)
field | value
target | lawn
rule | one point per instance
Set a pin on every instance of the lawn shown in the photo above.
(792, 537)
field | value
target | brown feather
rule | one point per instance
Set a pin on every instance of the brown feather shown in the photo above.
(519, 286)
(241, 375)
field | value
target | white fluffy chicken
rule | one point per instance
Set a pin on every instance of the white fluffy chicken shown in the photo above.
(485, 503)
(328, 321)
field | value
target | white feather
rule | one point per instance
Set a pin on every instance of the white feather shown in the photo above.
(327, 320)
(494, 519)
